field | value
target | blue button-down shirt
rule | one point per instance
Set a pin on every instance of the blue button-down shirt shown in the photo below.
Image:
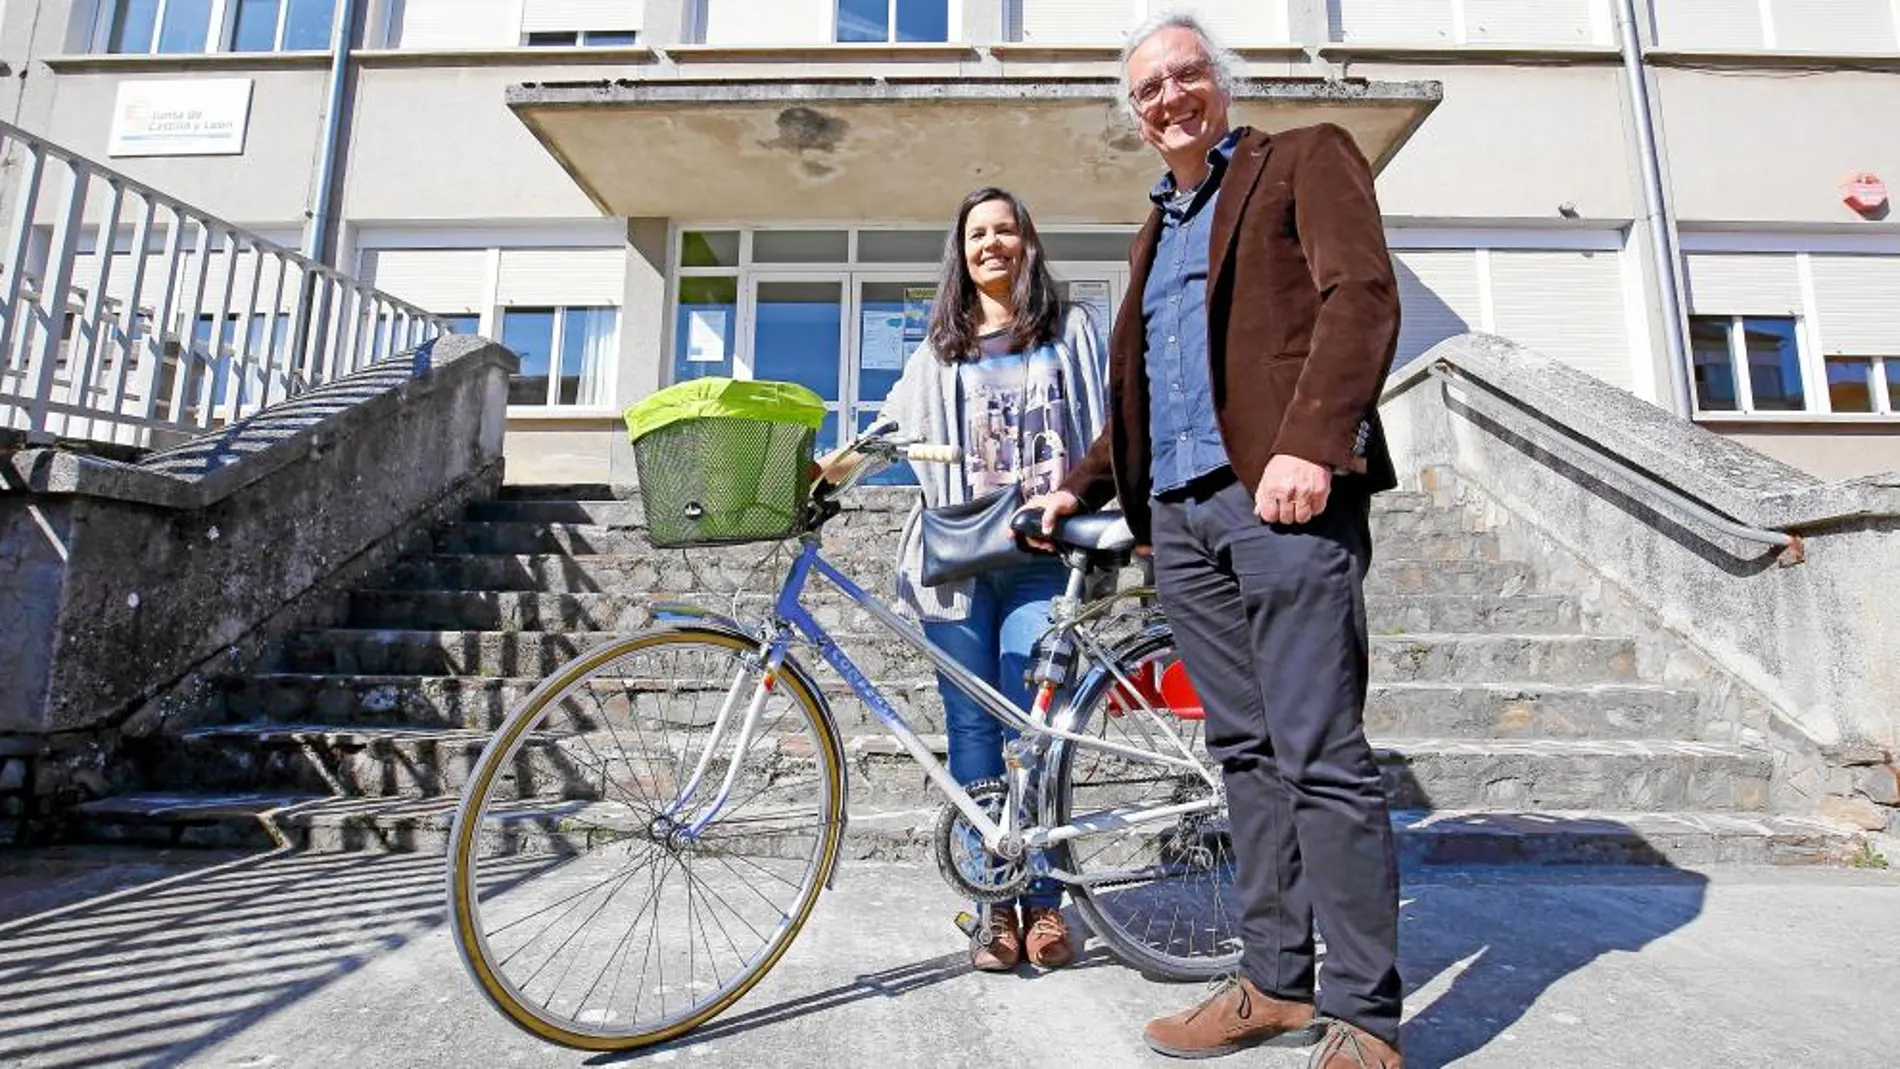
(1182, 432)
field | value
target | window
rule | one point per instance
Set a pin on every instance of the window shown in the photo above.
(196, 27)
(1778, 25)
(881, 21)
(567, 355)
(1863, 384)
(1464, 22)
(462, 323)
(582, 38)
(1747, 363)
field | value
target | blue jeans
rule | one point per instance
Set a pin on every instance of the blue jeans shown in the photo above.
(1009, 610)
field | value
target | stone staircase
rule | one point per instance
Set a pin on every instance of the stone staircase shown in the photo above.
(1508, 731)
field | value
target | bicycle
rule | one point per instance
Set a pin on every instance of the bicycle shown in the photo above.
(685, 789)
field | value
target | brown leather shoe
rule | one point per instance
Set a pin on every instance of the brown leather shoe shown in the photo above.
(1002, 948)
(1348, 1046)
(1236, 1016)
(1046, 937)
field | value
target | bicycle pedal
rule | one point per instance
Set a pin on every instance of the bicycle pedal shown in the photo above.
(971, 926)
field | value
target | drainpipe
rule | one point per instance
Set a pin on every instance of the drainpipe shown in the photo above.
(313, 312)
(1656, 209)
(316, 237)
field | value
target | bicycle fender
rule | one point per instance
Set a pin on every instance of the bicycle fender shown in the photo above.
(683, 614)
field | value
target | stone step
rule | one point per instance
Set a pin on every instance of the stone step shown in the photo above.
(1394, 658)
(1450, 837)
(722, 571)
(1391, 529)
(875, 535)
(1442, 709)
(1634, 774)
(1644, 775)
(518, 610)
(1476, 710)
(628, 511)
(1521, 614)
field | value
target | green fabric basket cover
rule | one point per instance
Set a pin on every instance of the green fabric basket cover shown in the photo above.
(771, 402)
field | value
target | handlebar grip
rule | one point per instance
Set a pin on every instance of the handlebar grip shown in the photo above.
(934, 454)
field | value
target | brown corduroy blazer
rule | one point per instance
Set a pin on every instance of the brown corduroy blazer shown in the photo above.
(1303, 319)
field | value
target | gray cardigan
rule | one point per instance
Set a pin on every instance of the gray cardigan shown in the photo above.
(924, 405)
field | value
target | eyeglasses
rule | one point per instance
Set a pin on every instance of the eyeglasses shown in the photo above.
(1190, 76)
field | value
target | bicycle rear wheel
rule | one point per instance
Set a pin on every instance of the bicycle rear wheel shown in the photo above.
(1160, 894)
(580, 908)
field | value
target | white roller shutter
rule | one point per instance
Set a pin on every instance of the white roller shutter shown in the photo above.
(151, 287)
(769, 22)
(1567, 305)
(456, 24)
(543, 16)
(119, 285)
(242, 283)
(1438, 298)
(1859, 303)
(1834, 25)
(556, 277)
(1546, 22)
(1391, 21)
(1234, 22)
(1728, 284)
(1709, 24)
(442, 281)
(1073, 22)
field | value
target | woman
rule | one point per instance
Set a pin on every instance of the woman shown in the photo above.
(1014, 378)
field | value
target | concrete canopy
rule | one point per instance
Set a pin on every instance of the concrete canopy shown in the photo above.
(858, 149)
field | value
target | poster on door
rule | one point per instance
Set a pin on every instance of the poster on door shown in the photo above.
(917, 302)
(1094, 296)
(881, 344)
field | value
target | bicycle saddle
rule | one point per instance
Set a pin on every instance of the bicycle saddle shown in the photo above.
(1093, 532)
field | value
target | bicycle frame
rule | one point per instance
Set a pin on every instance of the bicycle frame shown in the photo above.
(789, 613)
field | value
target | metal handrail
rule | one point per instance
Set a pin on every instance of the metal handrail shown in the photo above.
(98, 357)
(1596, 460)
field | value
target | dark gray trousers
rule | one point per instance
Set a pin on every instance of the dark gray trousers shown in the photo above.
(1270, 621)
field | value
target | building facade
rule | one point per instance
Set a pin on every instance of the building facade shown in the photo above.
(632, 193)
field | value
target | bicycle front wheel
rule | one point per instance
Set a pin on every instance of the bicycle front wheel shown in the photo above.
(583, 908)
(1160, 894)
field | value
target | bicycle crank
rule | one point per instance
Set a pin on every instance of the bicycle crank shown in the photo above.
(967, 865)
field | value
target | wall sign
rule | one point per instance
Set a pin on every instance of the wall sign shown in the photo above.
(188, 117)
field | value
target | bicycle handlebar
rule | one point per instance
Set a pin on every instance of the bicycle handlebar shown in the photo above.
(924, 453)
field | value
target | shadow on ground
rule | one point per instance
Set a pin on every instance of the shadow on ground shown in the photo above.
(1473, 970)
(149, 975)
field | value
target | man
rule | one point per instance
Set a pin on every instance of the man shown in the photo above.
(1244, 444)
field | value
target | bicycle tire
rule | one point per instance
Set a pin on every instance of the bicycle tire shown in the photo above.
(1205, 942)
(506, 857)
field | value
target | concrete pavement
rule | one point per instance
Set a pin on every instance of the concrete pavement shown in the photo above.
(342, 960)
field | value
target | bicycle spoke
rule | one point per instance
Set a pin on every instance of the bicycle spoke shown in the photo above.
(644, 927)
(1158, 895)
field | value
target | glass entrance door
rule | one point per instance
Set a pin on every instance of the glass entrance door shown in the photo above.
(797, 335)
(848, 334)
(892, 315)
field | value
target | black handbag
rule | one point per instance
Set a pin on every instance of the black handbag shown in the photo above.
(968, 539)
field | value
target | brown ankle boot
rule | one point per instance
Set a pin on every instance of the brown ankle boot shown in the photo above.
(1046, 937)
(1000, 947)
(1348, 1046)
(1236, 1016)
